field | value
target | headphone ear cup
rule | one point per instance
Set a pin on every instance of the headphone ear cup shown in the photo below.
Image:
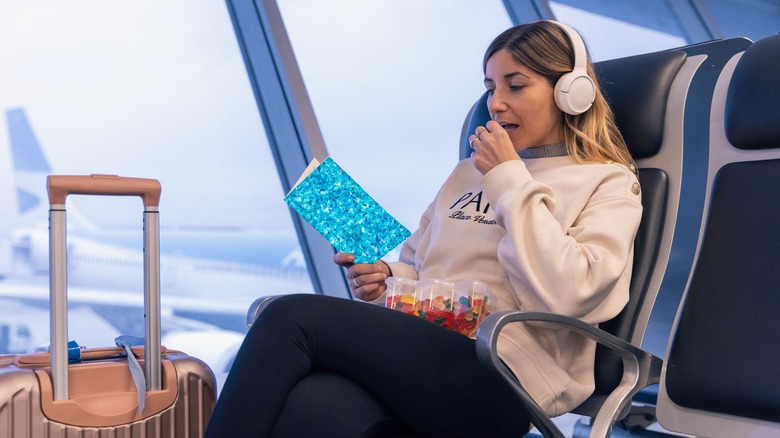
(574, 92)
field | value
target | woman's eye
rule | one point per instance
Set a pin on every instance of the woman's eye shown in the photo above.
(490, 91)
(515, 87)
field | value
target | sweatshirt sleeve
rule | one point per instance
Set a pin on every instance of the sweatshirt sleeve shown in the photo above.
(571, 270)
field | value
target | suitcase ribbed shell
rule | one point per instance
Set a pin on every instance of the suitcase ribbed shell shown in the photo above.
(21, 415)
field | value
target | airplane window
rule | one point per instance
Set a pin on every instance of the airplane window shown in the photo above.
(142, 89)
(391, 83)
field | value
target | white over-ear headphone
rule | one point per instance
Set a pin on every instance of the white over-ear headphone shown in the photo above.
(574, 92)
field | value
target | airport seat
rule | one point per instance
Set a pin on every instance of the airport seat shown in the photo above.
(720, 376)
(622, 369)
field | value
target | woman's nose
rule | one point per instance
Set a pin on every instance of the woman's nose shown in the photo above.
(496, 102)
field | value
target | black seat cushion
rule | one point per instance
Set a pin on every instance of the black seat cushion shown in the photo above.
(655, 187)
(753, 99)
(725, 356)
(637, 88)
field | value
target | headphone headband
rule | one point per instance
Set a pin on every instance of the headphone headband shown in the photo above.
(578, 46)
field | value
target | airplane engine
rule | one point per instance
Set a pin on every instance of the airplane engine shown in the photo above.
(6, 255)
(31, 249)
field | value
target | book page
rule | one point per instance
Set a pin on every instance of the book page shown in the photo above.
(309, 169)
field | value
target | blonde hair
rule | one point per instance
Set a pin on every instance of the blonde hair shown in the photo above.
(545, 48)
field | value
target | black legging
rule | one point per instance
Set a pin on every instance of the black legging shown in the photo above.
(321, 366)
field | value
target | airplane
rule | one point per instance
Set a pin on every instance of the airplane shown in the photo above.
(209, 277)
(194, 262)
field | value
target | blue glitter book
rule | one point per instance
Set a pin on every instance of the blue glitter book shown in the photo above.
(339, 209)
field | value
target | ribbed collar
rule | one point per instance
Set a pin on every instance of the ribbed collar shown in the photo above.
(549, 151)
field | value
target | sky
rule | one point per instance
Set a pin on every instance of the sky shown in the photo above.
(114, 87)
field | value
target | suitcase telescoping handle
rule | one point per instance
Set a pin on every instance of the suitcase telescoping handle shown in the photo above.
(59, 187)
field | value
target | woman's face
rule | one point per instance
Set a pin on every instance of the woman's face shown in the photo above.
(521, 100)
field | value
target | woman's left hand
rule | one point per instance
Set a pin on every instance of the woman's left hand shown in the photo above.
(366, 280)
(492, 146)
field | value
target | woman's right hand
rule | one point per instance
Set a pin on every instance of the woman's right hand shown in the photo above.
(366, 280)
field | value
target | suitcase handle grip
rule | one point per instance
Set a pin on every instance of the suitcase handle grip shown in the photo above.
(60, 186)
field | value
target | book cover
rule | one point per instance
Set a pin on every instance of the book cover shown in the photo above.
(348, 217)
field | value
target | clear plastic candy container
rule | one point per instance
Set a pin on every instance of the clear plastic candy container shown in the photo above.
(460, 306)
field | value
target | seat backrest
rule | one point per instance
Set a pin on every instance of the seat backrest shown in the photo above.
(645, 132)
(721, 371)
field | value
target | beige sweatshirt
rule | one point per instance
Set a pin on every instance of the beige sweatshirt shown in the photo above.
(545, 234)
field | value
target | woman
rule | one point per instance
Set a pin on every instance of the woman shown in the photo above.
(551, 206)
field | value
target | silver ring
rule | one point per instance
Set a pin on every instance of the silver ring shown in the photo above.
(478, 132)
(471, 143)
(354, 281)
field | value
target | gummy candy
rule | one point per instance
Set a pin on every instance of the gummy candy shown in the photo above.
(463, 316)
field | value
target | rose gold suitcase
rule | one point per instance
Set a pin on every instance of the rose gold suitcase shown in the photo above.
(98, 398)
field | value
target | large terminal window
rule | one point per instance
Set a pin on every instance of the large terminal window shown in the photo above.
(141, 89)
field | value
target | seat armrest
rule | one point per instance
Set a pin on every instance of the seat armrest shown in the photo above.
(640, 369)
(256, 307)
